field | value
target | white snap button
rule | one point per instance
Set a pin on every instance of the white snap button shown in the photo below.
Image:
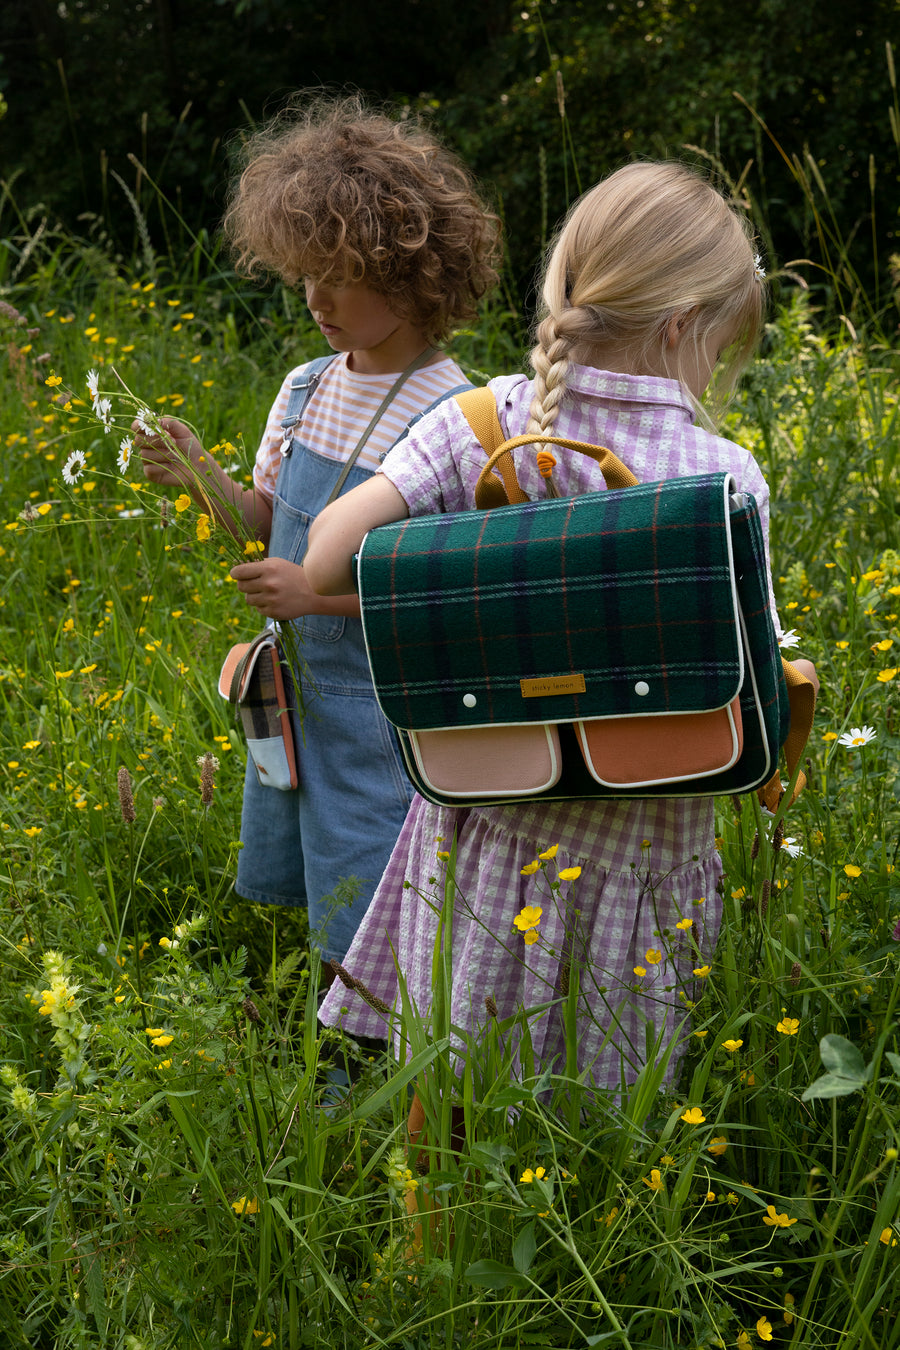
(469, 700)
(642, 688)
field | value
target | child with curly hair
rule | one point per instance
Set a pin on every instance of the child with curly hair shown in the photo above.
(385, 231)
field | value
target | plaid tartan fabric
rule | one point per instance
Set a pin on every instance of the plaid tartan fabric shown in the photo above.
(261, 708)
(632, 592)
(618, 587)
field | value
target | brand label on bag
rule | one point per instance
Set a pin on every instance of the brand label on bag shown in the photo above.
(552, 684)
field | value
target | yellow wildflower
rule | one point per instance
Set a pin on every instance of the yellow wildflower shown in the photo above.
(550, 852)
(528, 917)
(245, 1205)
(693, 1116)
(732, 1046)
(764, 1329)
(654, 1182)
(528, 1176)
(717, 1145)
(775, 1220)
(788, 1026)
(570, 874)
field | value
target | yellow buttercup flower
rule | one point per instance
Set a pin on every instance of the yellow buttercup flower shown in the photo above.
(528, 917)
(182, 502)
(528, 1176)
(702, 971)
(775, 1220)
(788, 1026)
(693, 1116)
(764, 1329)
(732, 1046)
(529, 869)
(203, 528)
(717, 1145)
(654, 1182)
(550, 852)
(245, 1205)
(570, 873)
(652, 956)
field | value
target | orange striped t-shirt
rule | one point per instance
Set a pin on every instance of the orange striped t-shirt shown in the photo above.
(341, 409)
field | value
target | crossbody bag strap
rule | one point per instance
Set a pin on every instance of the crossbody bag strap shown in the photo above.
(395, 388)
(802, 703)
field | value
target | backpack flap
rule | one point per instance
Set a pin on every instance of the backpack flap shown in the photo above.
(612, 605)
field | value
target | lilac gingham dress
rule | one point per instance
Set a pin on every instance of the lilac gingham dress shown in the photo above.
(646, 866)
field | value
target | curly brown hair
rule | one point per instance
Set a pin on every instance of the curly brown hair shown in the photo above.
(336, 191)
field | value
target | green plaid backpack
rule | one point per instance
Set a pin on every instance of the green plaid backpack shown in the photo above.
(613, 644)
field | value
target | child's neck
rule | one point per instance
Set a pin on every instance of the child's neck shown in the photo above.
(391, 356)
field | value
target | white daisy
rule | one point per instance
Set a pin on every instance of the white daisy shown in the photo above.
(74, 467)
(789, 639)
(791, 847)
(103, 410)
(130, 515)
(93, 384)
(856, 736)
(145, 421)
(758, 268)
(126, 445)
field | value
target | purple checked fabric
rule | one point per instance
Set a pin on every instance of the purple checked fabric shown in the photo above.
(646, 866)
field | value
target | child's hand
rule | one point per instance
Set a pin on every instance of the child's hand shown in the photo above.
(280, 590)
(176, 465)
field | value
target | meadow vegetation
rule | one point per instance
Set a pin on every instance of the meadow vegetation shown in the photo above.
(180, 1165)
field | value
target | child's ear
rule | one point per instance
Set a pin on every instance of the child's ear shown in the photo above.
(679, 326)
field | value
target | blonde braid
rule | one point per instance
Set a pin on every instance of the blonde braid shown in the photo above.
(550, 361)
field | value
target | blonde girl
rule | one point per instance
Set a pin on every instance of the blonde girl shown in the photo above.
(653, 281)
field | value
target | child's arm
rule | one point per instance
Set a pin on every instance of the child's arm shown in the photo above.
(281, 590)
(188, 464)
(336, 534)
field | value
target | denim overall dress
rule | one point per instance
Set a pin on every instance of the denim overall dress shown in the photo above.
(344, 817)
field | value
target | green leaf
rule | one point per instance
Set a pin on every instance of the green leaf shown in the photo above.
(847, 1070)
(842, 1057)
(493, 1275)
(524, 1249)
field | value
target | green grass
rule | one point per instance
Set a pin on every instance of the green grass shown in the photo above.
(125, 1153)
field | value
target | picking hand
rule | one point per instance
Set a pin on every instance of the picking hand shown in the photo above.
(277, 588)
(175, 459)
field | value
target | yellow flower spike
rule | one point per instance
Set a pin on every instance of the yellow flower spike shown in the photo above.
(764, 1329)
(569, 874)
(654, 1182)
(550, 852)
(529, 869)
(717, 1145)
(788, 1026)
(732, 1046)
(693, 1116)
